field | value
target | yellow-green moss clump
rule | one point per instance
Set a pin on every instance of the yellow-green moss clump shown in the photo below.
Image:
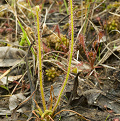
(114, 5)
(53, 41)
(62, 43)
(112, 24)
(51, 74)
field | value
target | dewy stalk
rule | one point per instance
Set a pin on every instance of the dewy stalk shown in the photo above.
(70, 56)
(38, 11)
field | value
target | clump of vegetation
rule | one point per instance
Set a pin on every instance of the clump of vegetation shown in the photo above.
(55, 41)
(113, 5)
(62, 44)
(112, 24)
(51, 73)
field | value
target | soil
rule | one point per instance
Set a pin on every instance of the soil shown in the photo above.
(92, 91)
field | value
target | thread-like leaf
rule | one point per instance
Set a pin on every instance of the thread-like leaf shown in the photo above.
(70, 56)
(40, 60)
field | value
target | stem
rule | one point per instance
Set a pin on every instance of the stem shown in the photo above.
(40, 61)
(70, 56)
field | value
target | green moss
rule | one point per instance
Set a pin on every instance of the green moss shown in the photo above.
(51, 74)
(112, 24)
(113, 5)
(62, 43)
